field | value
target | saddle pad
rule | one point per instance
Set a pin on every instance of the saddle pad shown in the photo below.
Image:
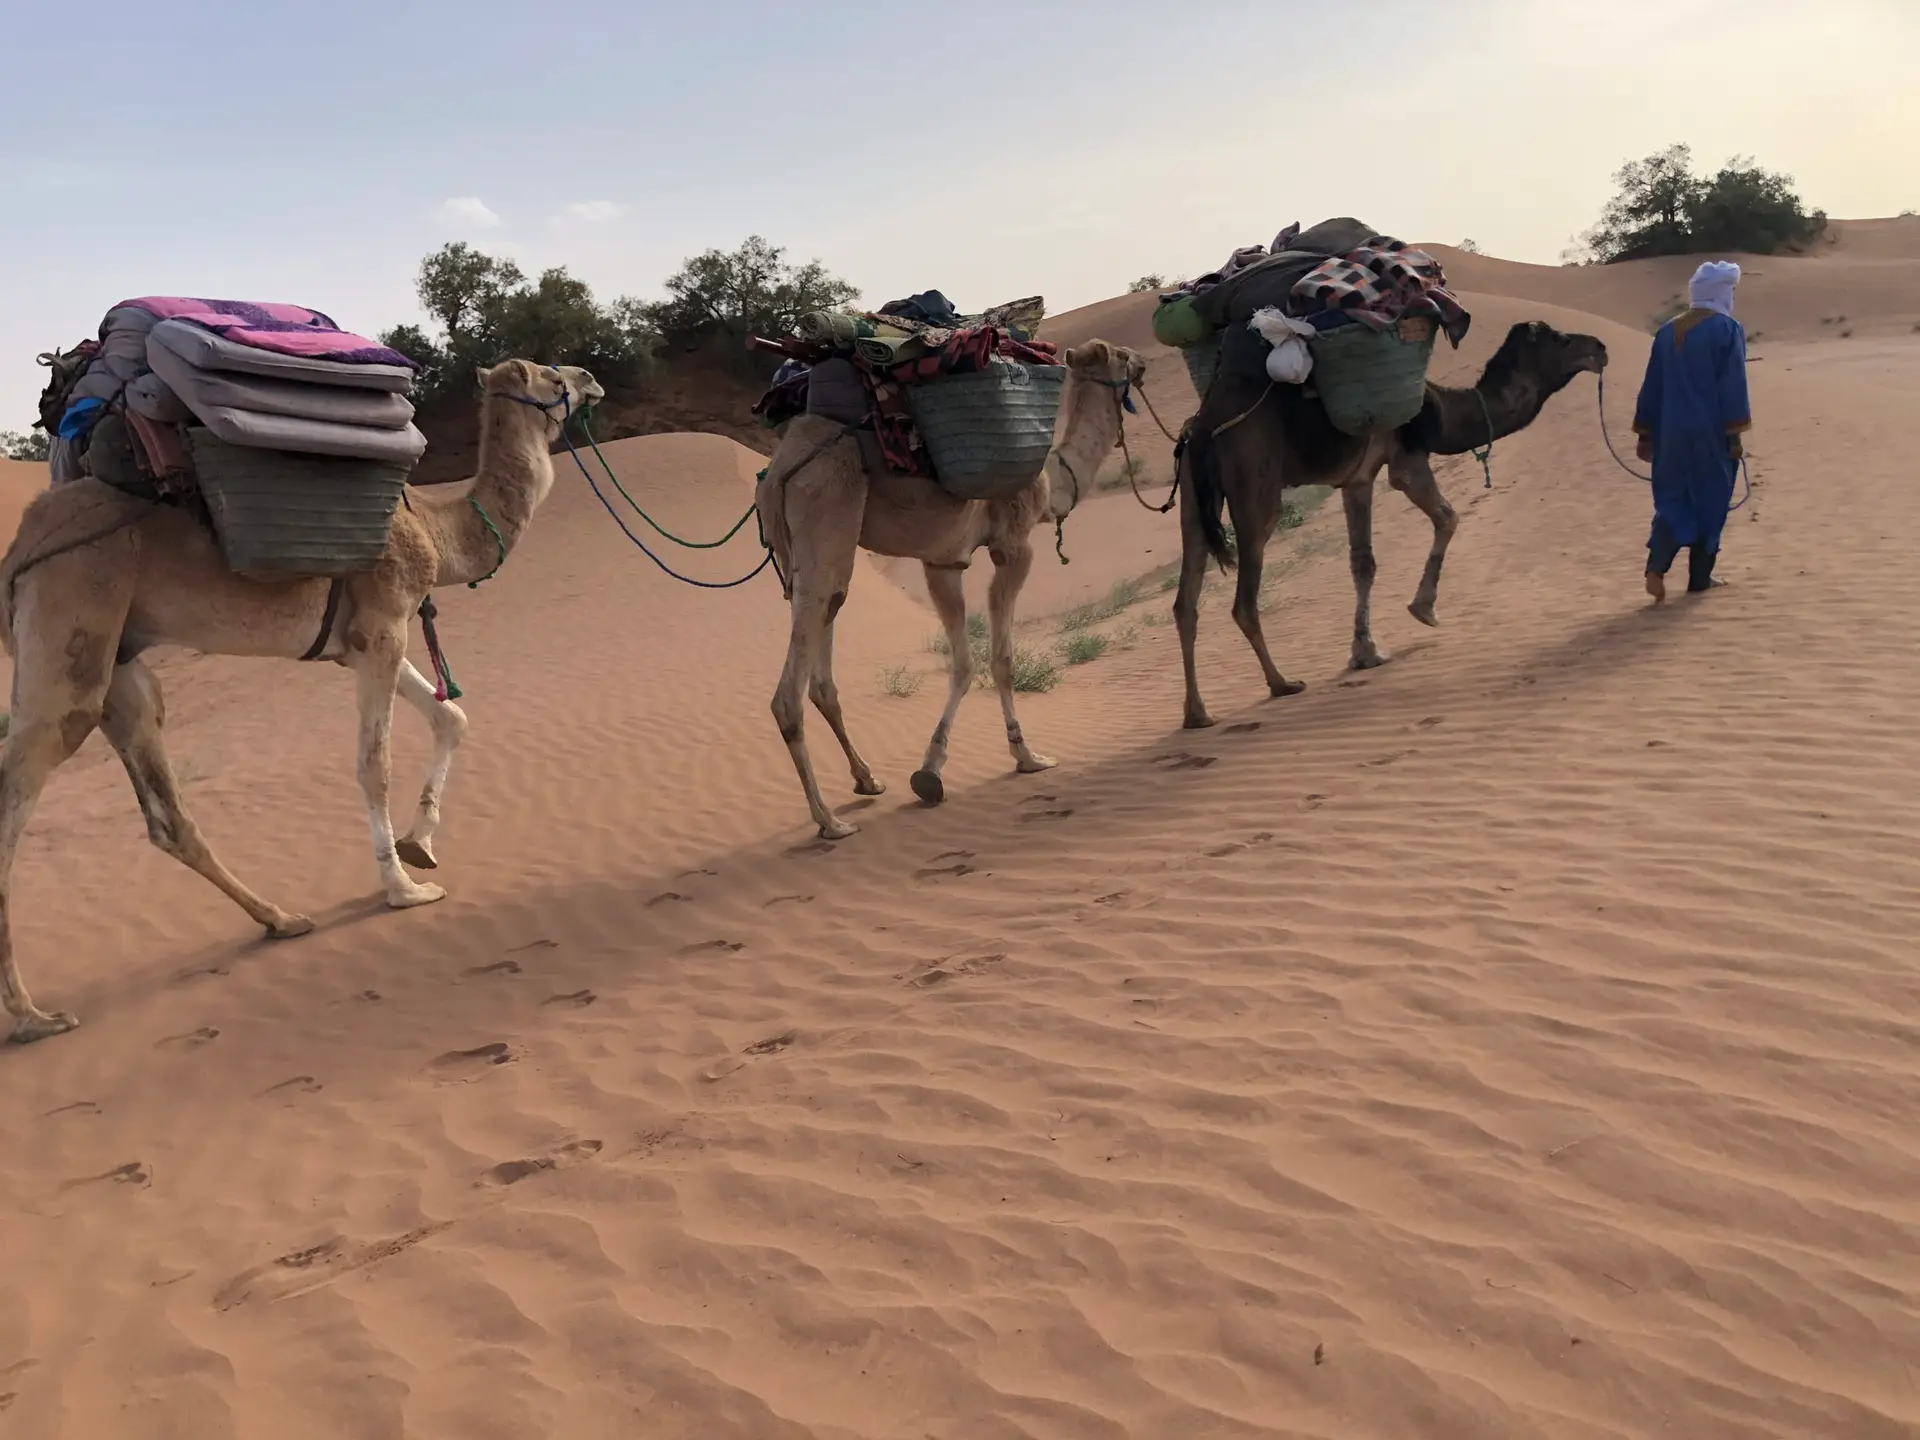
(200, 390)
(205, 350)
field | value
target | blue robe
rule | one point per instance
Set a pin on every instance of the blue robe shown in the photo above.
(1693, 399)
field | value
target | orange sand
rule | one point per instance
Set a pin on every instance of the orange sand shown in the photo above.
(1517, 1041)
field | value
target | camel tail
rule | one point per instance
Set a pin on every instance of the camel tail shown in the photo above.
(1209, 499)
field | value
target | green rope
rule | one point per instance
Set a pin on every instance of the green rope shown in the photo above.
(498, 539)
(587, 431)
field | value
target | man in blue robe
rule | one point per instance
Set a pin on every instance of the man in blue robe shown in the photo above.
(1692, 413)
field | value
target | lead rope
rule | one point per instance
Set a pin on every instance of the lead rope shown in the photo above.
(1746, 480)
(1485, 457)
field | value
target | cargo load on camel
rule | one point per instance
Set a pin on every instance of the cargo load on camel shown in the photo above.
(295, 436)
(1340, 309)
(968, 402)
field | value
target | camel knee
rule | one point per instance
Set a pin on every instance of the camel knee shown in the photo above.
(1363, 567)
(786, 714)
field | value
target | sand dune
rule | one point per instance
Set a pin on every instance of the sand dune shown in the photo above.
(1516, 1041)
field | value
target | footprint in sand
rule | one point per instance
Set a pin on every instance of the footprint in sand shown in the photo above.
(1113, 899)
(306, 1259)
(788, 900)
(512, 1172)
(945, 970)
(131, 1173)
(498, 967)
(1352, 684)
(1245, 727)
(1235, 846)
(933, 869)
(298, 1085)
(372, 997)
(772, 1045)
(1380, 760)
(579, 999)
(1312, 802)
(732, 947)
(689, 874)
(1181, 760)
(78, 1107)
(463, 1064)
(1428, 722)
(534, 945)
(1033, 815)
(665, 897)
(217, 970)
(812, 847)
(192, 1040)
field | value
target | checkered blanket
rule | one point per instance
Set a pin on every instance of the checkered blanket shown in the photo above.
(1378, 284)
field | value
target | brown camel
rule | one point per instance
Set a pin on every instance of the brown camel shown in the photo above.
(1285, 439)
(821, 503)
(95, 577)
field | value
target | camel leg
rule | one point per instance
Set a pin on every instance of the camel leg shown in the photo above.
(950, 603)
(1253, 521)
(67, 617)
(131, 721)
(1186, 606)
(377, 671)
(826, 699)
(1002, 595)
(1357, 496)
(449, 723)
(1413, 476)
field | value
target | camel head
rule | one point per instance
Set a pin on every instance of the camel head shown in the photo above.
(557, 390)
(1543, 353)
(1099, 376)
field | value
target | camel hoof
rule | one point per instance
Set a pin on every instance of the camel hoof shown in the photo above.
(1285, 688)
(838, 830)
(870, 786)
(415, 855)
(43, 1027)
(287, 927)
(1424, 614)
(926, 784)
(1201, 721)
(1372, 661)
(1034, 764)
(415, 895)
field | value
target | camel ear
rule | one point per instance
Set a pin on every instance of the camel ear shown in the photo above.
(480, 373)
(522, 371)
(1094, 355)
(1136, 367)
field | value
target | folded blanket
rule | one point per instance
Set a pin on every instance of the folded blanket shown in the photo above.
(200, 390)
(205, 350)
(1377, 284)
(283, 329)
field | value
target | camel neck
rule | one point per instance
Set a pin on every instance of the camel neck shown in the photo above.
(515, 473)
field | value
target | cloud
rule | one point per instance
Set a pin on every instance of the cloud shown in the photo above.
(588, 212)
(469, 211)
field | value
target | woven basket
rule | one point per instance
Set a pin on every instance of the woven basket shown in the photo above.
(283, 515)
(1373, 379)
(988, 433)
(1203, 363)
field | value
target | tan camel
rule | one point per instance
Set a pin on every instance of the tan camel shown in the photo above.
(820, 504)
(94, 577)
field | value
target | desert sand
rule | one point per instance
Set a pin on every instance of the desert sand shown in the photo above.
(1516, 1041)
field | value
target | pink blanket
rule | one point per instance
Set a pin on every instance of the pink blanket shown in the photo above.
(284, 329)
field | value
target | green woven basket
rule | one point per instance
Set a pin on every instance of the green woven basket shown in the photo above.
(1203, 363)
(283, 514)
(988, 433)
(1372, 379)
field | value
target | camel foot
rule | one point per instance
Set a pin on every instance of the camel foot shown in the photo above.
(1424, 613)
(838, 830)
(1370, 660)
(1033, 764)
(870, 786)
(42, 1026)
(1197, 720)
(926, 784)
(1286, 688)
(416, 854)
(414, 895)
(287, 927)
(1656, 587)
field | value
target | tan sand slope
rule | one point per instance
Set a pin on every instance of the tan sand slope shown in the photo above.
(1516, 1041)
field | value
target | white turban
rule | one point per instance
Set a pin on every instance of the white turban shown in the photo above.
(1712, 287)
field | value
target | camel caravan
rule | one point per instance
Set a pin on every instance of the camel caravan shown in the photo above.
(232, 478)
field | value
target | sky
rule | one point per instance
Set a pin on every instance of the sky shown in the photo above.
(314, 153)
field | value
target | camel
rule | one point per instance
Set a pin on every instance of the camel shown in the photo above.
(1283, 438)
(820, 503)
(96, 577)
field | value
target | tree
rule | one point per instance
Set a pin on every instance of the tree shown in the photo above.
(489, 311)
(1469, 247)
(748, 291)
(1660, 207)
(1150, 281)
(36, 444)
